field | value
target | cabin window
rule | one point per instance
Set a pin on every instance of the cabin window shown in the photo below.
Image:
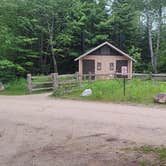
(98, 66)
(111, 66)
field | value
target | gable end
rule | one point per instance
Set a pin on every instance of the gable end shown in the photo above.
(109, 45)
(106, 51)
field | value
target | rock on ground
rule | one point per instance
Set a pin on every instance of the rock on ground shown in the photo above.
(160, 98)
(87, 92)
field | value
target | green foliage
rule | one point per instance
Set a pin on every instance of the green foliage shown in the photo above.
(59, 92)
(160, 151)
(124, 23)
(143, 163)
(19, 87)
(162, 53)
(32, 32)
(137, 91)
(41, 78)
(135, 53)
(16, 87)
(9, 70)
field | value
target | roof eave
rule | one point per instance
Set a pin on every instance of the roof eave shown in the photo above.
(85, 54)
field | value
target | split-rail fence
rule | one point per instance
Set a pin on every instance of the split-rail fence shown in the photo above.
(53, 81)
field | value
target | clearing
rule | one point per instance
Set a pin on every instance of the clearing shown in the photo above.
(37, 130)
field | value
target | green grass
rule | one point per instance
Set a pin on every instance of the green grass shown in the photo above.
(143, 163)
(159, 151)
(137, 91)
(42, 78)
(19, 87)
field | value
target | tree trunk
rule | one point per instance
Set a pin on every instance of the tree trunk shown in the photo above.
(152, 55)
(55, 64)
(83, 41)
(158, 34)
(53, 55)
(51, 43)
(41, 55)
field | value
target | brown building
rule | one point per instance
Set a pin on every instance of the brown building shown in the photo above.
(105, 59)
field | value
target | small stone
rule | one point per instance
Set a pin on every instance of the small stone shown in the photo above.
(160, 98)
(87, 92)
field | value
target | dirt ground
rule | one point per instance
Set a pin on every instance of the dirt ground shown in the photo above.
(40, 131)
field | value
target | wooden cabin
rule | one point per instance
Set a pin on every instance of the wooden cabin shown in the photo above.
(105, 59)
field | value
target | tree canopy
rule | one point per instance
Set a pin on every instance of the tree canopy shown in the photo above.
(44, 36)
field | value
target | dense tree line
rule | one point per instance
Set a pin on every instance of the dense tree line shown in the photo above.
(44, 36)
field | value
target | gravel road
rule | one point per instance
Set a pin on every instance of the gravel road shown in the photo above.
(37, 130)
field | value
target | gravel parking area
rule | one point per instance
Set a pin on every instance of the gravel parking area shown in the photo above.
(37, 130)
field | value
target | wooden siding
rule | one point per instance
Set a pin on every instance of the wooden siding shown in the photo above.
(105, 62)
(106, 51)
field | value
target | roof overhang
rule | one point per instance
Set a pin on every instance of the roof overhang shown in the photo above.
(101, 45)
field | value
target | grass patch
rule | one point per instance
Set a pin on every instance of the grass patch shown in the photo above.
(137, 91)
(19, 87)
(42, 78)
(143, 163)
(159, 151)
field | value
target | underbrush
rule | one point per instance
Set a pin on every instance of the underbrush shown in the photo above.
(17, 87)
(138, 91)
(159, 151)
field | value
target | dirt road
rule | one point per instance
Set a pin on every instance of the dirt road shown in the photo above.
(39, 131)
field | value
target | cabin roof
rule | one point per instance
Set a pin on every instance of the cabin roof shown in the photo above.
(101, 45)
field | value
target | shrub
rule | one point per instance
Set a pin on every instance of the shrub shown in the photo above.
(9, 70)
(16, 87)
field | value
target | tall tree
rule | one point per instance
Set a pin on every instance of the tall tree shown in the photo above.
(153, 11)
(43, 36)
(124, 23)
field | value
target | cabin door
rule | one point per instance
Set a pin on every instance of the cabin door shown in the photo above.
(88, 66)
(119, 64)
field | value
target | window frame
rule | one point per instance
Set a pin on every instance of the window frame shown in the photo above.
(99, 66)
(112, 66)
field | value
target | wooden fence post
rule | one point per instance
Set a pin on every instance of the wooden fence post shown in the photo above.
(55, 80)
(90, 76)
(151, 76)
(77, 76)
(84, 77)
(29, 80)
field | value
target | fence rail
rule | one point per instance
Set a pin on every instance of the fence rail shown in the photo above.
(153, 75)
(53, 81)
(37, 83)
(159, 77)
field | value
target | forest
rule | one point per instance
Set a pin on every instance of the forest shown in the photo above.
(45, 36)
